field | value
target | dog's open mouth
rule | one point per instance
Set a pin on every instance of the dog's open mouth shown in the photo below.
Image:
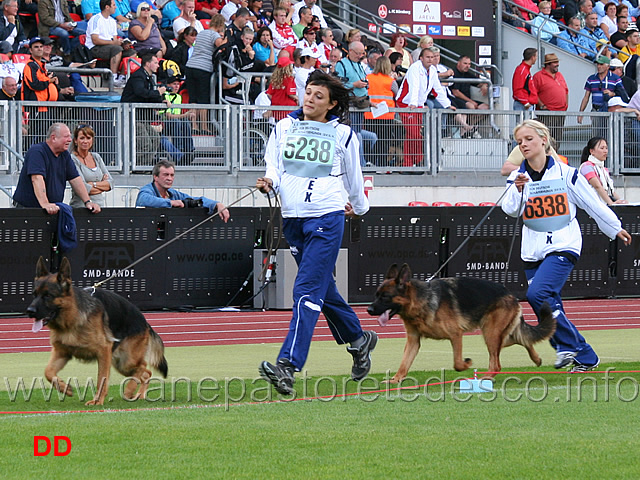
(385, 317)
(39, 323)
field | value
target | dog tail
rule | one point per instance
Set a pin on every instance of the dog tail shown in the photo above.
(155, 353)
(526, 334)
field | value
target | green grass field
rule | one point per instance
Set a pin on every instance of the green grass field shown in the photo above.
(534, 425)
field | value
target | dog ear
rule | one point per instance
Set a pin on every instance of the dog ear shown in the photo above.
(404, 275)
(41, 268)
(64, 274)
(392, 272)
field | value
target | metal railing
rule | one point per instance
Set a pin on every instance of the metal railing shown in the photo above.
(132, 137)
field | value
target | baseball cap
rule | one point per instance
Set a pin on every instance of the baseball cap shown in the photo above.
(616, 63)
(284, 61)
(36, 40)
(310, 52)
(309, 30)
(604, 60)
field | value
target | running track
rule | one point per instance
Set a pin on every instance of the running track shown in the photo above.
(228, 328)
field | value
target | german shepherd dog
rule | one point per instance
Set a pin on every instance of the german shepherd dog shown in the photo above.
(100, 326)
(448, 307)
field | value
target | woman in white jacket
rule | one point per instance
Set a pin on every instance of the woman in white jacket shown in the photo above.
(312, 158)
(546, 193)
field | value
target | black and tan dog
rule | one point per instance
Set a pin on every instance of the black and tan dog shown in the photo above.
(446, 308)
(100, 325)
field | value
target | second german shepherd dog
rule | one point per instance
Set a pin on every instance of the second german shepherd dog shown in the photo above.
(100, 326)
(448, 307)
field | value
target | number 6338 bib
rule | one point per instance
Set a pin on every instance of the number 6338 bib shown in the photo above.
(547, 208)
(309, 149)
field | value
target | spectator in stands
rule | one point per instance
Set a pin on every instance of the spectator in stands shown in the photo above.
(372, 58)
(89, 8)
(95, 176)
(182, 51)
(618, 39)
(629, 84)
(308, 40)
(601, 87)
(55, 20)
(308, 59)
(424, 42)
(463, 90)
(525, 96)
(352, 35)
(176, 124)
(187, 18)
(11, 29)
(46, 170)
(315, 11)
(230, 9)
(305, 20)
(38, 84)
(608, 20)
(594, 156)
(123, 15)
(262, 16)
(145, 31)
(103, 40)
(633, 45)
(263, 46)
(570, 9)
(284, 38)
(206, 9)
(159, 194)
(156, 13)
(420, 80)
(570, 41)
(9, 89)
(327, 45)
(585, 7)
(171, 10)
(238, 24)
(593, 34)
(398, 43)
(242, 59)
(141, 86)
(68, 83)
(528, 11)
(550, 28)
(200, 68)
(553, 95)
(387, 150)
(282, 89)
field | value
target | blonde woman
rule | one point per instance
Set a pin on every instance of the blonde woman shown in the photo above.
(425, 41)
(546, 193)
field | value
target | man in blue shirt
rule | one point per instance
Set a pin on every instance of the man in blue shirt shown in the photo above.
(47, 168)
(159, 194)
(594, 33)
(570, 41)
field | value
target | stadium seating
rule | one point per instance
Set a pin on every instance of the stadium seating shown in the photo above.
(418, 204)
(441, 204)
(464, 204)
(486, 204)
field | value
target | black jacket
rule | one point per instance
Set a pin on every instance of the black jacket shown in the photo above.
(140, 88)
(6, 29)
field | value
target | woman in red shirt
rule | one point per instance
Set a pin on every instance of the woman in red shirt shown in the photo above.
(282, 90)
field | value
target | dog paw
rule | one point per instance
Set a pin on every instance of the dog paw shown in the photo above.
(95, 402)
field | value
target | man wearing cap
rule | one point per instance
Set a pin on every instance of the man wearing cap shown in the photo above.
(11, 30)
(629, 84)
(553, 95)
(593, 34)
(38, 84)
(305, 21)
(308, 60)
(633, 45)
(570, 41)
(601, 87)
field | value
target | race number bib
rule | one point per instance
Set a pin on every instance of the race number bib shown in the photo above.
(309, 149)
(547, 208)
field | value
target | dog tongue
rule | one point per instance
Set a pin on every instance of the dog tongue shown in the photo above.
(384, 318)
(37, 326)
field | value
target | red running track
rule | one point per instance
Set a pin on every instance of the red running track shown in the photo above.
(179, 329)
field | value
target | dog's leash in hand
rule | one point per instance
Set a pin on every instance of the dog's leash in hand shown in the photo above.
(464, 242)
(144, 257)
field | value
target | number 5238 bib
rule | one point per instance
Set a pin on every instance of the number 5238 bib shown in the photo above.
(309, 149)
(547, 207)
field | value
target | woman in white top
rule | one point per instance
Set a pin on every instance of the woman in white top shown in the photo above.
(90, 166)
(608, 23)
(594, 156)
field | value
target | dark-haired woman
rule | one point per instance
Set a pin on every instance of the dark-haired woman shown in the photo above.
(311, 156)
(182, 51)
(594, 156)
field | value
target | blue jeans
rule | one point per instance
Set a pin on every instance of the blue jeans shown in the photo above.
(315, 243)
(545, 284)
(63, 36)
